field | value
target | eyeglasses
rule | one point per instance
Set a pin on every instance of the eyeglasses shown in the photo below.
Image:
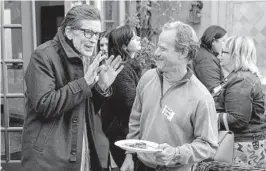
(89, 33)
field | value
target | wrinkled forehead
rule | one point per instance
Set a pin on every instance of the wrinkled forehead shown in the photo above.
(94, 25)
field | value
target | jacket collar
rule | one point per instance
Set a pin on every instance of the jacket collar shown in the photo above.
(185, 79)
(70, 52)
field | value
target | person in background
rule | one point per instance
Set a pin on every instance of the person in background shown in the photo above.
(206, 65)
(244, 102)
(102, 142)
(66, 86)
(102, 44)
(173, 108)
(123, 41)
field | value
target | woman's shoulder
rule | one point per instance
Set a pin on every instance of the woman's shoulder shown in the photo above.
(206, 57)
(243, 79)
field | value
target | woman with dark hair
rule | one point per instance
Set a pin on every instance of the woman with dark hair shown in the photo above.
(123, 41)
(206, 65)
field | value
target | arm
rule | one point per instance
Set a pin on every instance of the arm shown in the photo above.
(99, 97)
(208, 73)
(45, 99)
(205, 132)
(238, 105)
(134, 120)
(202, 147)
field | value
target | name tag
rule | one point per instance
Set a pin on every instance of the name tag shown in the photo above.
(168, 113)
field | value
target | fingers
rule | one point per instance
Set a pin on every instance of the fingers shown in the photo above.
(116, 62)
(119, 69)
(163, 146)
(101, 68)
(99, 57)
(127, 166)
(109, 60)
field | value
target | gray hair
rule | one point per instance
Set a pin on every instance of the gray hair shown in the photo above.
(243, 53)
(185, 39)
(80, 12)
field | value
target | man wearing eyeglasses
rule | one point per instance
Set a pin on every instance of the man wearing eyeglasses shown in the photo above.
(66, 86)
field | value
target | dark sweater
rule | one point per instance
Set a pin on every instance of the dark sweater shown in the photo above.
(116, 111)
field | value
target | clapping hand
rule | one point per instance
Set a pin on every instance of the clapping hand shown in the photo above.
(109, 71)
(103, 74)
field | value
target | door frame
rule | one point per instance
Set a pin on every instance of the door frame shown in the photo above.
(28, 31)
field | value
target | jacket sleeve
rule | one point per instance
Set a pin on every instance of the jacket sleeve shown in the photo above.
(205, 143)
(238, 105)
(41, 89)
(208, 73)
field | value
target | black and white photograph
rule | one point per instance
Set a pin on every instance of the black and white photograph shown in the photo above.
(133, 85)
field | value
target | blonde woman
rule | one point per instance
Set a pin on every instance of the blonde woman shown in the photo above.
(244, 102)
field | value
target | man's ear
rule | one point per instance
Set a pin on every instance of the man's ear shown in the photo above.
(184, 54)
(69, 33)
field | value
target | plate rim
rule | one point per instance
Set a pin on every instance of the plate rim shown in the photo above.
(132, 149)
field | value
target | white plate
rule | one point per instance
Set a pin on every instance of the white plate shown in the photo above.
(150, 147)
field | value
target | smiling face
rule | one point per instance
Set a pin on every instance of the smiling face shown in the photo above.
(84, 45)
(134, 44)
(167, 59)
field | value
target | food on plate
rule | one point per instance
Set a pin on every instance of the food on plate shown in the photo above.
(141, 145)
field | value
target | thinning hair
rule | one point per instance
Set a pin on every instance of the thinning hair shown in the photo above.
(243, 53)
(80, 12)
(185, 38)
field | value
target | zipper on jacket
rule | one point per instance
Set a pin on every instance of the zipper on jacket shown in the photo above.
(176, 85)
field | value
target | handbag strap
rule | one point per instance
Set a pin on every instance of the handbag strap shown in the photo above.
(225, 121)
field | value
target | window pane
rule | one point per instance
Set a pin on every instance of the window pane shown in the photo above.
(3, 149)
(16, 112)
(12, 12)
(2, 112)
(15, 78)
(15, 145)
(13, 43)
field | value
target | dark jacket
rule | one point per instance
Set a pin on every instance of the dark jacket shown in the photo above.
(244, 102)
(57, 100)
(116, 111)
(207, 68)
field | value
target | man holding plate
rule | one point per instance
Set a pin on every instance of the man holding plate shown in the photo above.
(173, 108)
